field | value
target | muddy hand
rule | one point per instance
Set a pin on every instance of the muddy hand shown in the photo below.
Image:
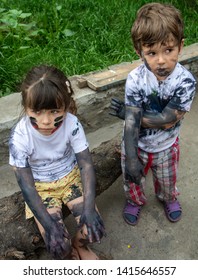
(134, 172)
(118, 108)
(57, 241)
(94, 224)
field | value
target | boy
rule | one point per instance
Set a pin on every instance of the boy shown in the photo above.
(158, 93)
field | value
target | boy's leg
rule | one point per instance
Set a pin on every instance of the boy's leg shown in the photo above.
(165, 167)
(135, 197)
(56, 214)
(134, 193)
(80, 241)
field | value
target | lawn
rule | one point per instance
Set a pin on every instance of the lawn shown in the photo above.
(78, 36)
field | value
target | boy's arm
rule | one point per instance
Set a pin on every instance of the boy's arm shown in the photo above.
(55, 233)
(164, 120)
(89, 216)
(134, 169)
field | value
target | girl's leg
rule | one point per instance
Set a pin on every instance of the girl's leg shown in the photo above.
(80, 241)
(56, 214)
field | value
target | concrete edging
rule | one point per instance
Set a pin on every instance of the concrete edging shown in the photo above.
(92, 87)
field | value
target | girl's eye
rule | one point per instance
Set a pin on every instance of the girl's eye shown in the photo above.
(35, 112)
(55, 111)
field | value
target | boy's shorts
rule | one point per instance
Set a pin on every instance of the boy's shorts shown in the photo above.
(56, 193)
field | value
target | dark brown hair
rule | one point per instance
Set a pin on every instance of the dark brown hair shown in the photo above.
(46, 87)
(157, 23)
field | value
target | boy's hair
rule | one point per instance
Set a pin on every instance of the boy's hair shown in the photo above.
(157, 23)
(46, 87)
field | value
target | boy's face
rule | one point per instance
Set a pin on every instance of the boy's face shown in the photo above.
(46, 121)
(161, 58)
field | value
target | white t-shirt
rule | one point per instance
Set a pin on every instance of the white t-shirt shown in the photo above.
(143, 90)
(50, 157)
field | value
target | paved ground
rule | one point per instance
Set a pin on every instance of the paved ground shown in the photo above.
(154, 237)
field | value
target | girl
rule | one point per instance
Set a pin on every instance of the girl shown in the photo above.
(52, 163)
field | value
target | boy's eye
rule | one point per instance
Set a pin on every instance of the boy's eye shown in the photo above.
(151, 53)
(169, 50)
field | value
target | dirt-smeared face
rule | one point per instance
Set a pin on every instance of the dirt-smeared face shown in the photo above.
(46, 121)
(161, 58)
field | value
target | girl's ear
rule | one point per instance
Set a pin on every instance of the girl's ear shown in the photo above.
(181, 46)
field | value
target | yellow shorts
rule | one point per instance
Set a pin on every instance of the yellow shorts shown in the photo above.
(56, 193)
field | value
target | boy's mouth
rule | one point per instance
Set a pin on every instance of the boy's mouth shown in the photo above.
(162, 72)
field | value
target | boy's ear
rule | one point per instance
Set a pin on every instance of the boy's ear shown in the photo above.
(138, 53)
(181, 46)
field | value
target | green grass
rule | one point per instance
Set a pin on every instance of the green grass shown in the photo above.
(78, 36)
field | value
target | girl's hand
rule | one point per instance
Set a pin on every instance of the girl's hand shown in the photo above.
(94, 224)
(57, 241)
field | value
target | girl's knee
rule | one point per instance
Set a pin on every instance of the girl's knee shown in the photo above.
(76, 206)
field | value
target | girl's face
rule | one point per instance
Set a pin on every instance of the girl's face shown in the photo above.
(46, 121)
(161, 59)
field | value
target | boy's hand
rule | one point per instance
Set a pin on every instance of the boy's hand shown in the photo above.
(134, 171)
(94, 224)
(118, 108)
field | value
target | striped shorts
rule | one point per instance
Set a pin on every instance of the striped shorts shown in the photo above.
(164, 166)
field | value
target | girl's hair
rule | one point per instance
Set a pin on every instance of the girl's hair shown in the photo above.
(46, 87)
(157, 23)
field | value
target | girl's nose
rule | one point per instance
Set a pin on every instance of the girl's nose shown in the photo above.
(46, 119)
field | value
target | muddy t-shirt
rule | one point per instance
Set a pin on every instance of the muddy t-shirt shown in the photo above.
(50, 157)
(143, 90)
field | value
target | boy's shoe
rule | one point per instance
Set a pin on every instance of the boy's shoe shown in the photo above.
(173, 210)
(131, 213)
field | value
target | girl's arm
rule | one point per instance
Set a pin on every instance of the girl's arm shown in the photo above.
(134, 169)
(90, 216)
(55, 233)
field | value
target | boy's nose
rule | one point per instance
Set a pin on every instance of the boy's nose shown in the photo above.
(161, 59)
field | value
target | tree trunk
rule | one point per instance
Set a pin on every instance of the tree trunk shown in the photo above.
(20, 238)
